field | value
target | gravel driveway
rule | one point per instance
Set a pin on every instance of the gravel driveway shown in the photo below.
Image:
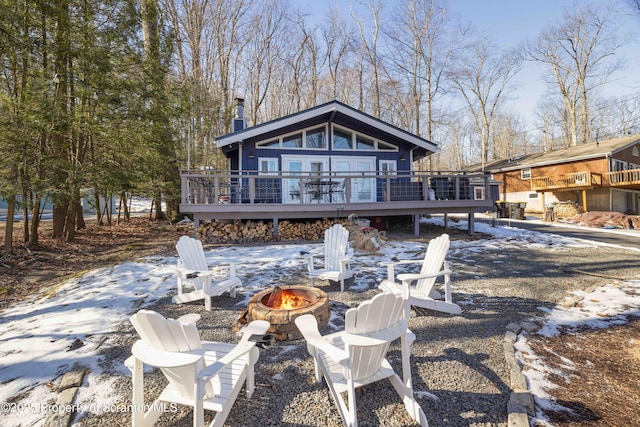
(459, 368)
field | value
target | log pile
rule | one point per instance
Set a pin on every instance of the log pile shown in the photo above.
(306, 230)
(236, 232)
(601, 219)
(260, 231)
(365, 239)
(566, 209)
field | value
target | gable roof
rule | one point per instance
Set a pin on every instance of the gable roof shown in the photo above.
(328, 112)
(591, 150)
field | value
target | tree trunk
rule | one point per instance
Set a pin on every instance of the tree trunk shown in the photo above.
(157, 202)
(25, 214)
(59, 219)
(8, 230)
(70, 222)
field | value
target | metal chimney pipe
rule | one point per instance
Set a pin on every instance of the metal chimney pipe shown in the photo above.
(238, 121)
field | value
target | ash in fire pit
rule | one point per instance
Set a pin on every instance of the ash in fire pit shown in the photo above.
(280, 306)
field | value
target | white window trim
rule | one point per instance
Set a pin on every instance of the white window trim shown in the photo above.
(271, 161)
(302, 132)
(393, 170)
(354, 144)
(478, 193)
(525, 173)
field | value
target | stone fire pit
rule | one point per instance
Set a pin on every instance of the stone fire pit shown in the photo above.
(280, 306)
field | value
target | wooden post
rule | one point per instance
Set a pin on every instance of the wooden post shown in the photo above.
(584, 200)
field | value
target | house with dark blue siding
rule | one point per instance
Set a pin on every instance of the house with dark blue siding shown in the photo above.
(329, 160)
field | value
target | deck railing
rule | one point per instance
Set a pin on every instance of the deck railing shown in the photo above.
(620, 178)
(567, 180)
(250, 187)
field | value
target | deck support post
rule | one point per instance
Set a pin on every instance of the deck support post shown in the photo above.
(196, 224)
(275, 227)
(471, 223)
(416, 224)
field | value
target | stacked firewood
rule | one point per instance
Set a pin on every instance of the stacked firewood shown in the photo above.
(235, 232)
(307, 230)
(260, 231)
(365, 239)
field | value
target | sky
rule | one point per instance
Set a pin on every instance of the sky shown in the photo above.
(35, 335)
(510, 22)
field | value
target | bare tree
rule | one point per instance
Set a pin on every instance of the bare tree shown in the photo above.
(261, 60)
(338, 37)
(370, 53)
(579, 54)
(482, 76)
(635, 6)
(421, 48)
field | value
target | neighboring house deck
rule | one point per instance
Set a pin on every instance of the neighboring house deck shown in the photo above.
(602, 175)
(249, 195)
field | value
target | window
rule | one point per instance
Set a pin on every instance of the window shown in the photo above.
(383, 146)
(316, 138)
(363, 143)
(342, 140)
(635, 152)
(268, 166)
(292, 141)
(478, 193)
(275, 143)
(525, 173)
(619, 165)
(311, 139)
(388, 167)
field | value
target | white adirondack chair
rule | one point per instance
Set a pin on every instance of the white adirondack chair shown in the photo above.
(193, 270)
(201, 374)
(337, 257)
(418, 289)
(356, 356)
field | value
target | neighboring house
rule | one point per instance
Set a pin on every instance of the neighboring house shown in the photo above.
(327, 161)
(598, 176)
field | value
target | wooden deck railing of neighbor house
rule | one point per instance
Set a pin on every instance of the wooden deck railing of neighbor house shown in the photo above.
(620, 178)
(306, 188)
(567, 180)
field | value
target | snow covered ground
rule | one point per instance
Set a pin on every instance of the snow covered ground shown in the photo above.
(81, 313)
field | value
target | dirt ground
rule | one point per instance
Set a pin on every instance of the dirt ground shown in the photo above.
(601, 391)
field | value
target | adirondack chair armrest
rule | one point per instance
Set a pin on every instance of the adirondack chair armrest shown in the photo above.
(391, 271)
(308, 327)
(164, 359)
(185, 273)
(212, 370)
(410, 277)
(345, 263)
(256, 327)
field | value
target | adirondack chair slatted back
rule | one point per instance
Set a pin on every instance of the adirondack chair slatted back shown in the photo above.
(171, 335)
(370, 317)
(433, 261)
(336, 241)
(191, 254)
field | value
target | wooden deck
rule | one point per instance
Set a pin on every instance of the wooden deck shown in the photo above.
(248, 195)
